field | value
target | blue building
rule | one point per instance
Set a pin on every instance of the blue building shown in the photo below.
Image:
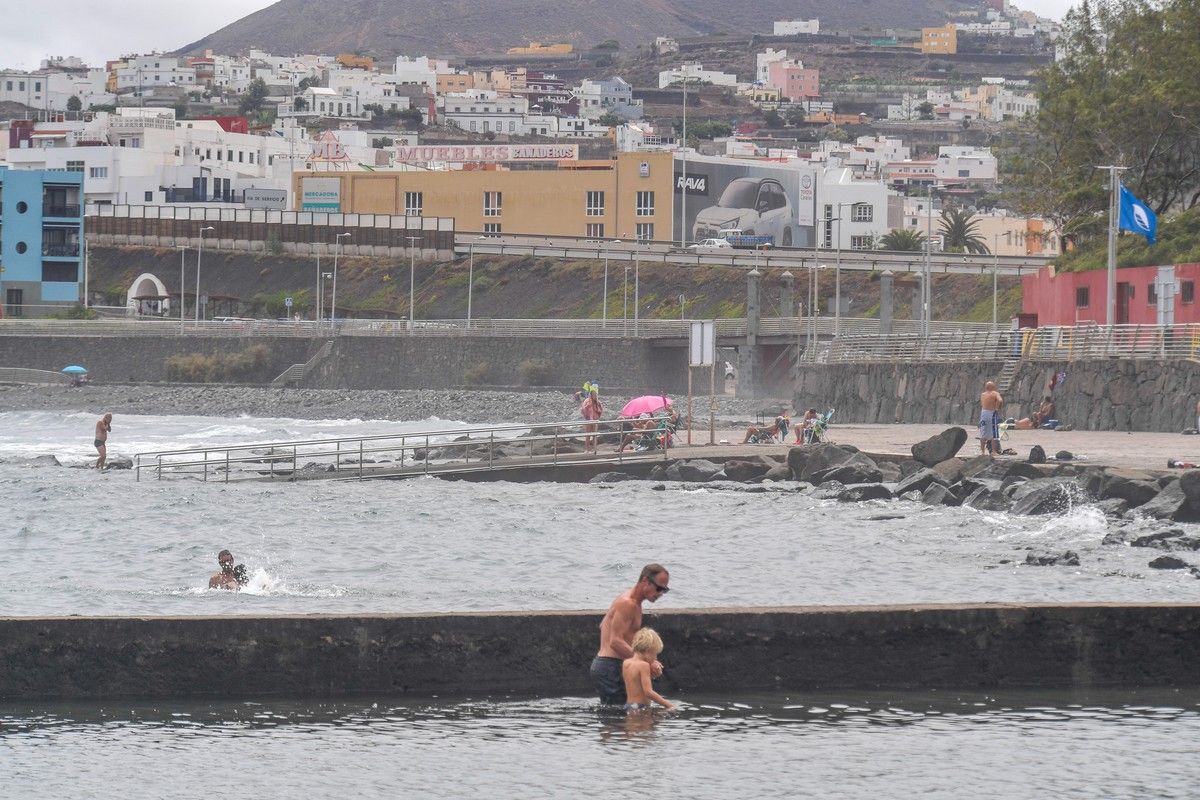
(41, 241)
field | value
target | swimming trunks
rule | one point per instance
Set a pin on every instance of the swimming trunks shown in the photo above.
(99, 443)
(637, 706)
(989, 425)
(606, 675)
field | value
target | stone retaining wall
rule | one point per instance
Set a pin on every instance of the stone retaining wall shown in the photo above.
(547, 653)
(1144, 395)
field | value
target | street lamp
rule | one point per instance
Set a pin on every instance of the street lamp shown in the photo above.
(625, 312)
(926, 294)
(412, 278)
(604, 307)
(996, 267)
(682, 307)
(199, 251)
(182, 250)
(637, 274)
(337, 245)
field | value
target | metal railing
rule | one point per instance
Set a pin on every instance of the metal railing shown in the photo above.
(539, 328)
(1053, 343)
(68, 210)
(403, 455)
(54, 249)
(23, 375)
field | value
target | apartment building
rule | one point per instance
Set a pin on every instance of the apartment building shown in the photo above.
(600, 97)
(141, 73)
(694, 74)
(939, 41)
(796, 27)
(793, 80)
(41, 241)
(482, 111)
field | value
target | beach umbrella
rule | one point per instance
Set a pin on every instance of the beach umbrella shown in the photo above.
(646, 404)
(75, 369)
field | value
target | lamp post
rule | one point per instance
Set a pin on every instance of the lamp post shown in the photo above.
(412, 278)
(625, 312)
(322, 279)
(199, 252)
(682, 307)
(683, 187)
(637, 274)
(926, 294)
(837, 275)
(604, 305)
(182, 250)
(320, 294)
(337, 245)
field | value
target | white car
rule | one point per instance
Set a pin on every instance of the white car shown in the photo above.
(711, 244)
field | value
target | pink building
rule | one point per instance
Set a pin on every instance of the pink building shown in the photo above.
(793, 80)
(1078, 297)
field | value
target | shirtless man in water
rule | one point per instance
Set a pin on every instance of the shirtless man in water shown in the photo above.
(990, 402)
(623, 620)
(103, 428)
(227, 578)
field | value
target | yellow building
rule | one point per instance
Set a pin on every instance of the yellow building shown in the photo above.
(539, 49)
(621, 198)
(942, 41)
(454, 82)
(351, 61)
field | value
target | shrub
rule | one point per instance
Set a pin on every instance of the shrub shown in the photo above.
(536, 372)
(476, 374)
(243, 367)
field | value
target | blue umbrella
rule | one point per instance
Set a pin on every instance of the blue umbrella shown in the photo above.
(75, 369)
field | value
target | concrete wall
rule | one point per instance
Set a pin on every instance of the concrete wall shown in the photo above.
(427, 362)
(1118, 395)
(547, 653)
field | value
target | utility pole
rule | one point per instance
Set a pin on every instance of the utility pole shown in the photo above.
(683, 188)
(1113, 216)
(926, 295)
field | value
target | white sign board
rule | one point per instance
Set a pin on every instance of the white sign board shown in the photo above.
(487, 153)
(321, 194)
(287, 301)
(266, 198)
(807, 197)
(702, 343)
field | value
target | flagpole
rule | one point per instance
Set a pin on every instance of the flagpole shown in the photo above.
(1113, 212)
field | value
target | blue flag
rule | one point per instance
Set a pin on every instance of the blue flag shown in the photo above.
(1136, 216)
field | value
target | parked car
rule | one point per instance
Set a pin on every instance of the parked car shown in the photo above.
(755, 206)
(710, 244)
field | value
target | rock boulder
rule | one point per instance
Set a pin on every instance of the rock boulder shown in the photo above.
(940, 447)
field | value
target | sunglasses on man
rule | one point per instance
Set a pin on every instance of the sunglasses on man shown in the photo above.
(661, 589)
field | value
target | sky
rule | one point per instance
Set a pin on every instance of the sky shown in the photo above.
(99, 31)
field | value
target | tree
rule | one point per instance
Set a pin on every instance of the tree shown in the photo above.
(902, 240)
(299, 104)
(925, 110)
(960, 232)
(772, 119)
(411, 117)
(307, 83)
(795, 115)
(74, 103)
(609, 119)
(181, 108)
(256, 93)
(609, 44)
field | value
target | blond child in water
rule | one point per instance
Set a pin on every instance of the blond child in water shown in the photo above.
(639, 691)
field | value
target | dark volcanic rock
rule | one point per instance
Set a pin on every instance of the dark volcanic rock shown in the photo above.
(986, 499)
(1067, 558)
(1037, 497)
(746, 470)
(1170, 503)
(913, 495)
(1169, 562)
(870, 491)
(938, 495)
(780, 473)
(1189, 482)
(694, 470)
(658, 473)
(1134, 493)
(1037, 455)
(849, 473)
(890, 471)
(1113, 507)
(940, 447)
(1023, 469)
(612, 477)
(919, 481)
(951, 470)
(910, 467)
(824, 456)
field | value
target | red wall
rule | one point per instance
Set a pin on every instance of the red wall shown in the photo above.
(1052, 298)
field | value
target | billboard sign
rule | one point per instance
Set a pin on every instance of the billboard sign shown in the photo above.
(265, 198)
(321, 194)
(757, 198)
(487, 153)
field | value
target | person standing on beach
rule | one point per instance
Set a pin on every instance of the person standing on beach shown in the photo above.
(591, 410)
(990, 402)
(103, 428)
(623, 620)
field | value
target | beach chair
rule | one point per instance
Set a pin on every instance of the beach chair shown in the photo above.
(659, 437)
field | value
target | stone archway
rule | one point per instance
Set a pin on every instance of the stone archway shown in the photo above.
(147, 296)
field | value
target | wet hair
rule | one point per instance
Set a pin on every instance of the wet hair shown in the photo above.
(647, 640)
(651, 571)
(224, 553)
(239, 574)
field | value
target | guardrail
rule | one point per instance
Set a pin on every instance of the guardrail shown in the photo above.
(1054, 343)
(23, 375)
(542, 328)
(433, 452)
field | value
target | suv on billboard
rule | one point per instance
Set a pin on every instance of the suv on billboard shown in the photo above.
(756, 206)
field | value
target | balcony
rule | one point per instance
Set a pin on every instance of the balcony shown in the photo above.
(63, 210)
(61, 250)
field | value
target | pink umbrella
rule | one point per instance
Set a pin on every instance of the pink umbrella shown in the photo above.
(646, 404)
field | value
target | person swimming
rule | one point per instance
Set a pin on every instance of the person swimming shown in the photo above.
(228, 577)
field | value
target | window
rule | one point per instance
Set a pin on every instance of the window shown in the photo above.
(241, 156)
(98, 172)
(1081, 297)
(492, 203)
(491, 227)
(1151, 294)
(8, 86)
(644, 205)
(74, 166)
(645, 230)
(472, 124)
(595, 230)
(862, 212)
(827, 237)
(862, 242)
(149, 197)
(229, 157)
(60, 272)
(964, 173)
(487, 125)
(512, 126)
(414, 203)
(1188, 291)
(595, 204)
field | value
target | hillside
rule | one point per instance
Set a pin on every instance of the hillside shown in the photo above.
(385, 28)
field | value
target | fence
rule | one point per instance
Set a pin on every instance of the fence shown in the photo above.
(1057, 343)
(23, 375)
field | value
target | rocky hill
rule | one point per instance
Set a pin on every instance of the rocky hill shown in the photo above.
(386, 28)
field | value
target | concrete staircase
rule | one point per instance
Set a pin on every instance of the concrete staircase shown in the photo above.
(298, 372)
(1007, 375)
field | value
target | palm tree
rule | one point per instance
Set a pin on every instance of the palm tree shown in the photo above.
(903, 240)
(959, 232)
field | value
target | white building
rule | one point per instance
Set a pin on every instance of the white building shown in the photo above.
(867, 157)
(763, 61)
(853, 214)
(664, 45)
(957, 164)
(371, 88)
(421, 70)
(796, 27)
(317, 101)
(141, 73)
(633, 136)
(615, 95)
(483, 111)
(694, 74)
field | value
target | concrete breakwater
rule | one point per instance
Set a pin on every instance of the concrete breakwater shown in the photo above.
(1141, 395)
(987, 646)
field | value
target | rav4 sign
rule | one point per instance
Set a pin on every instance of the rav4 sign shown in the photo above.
(693, 185)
